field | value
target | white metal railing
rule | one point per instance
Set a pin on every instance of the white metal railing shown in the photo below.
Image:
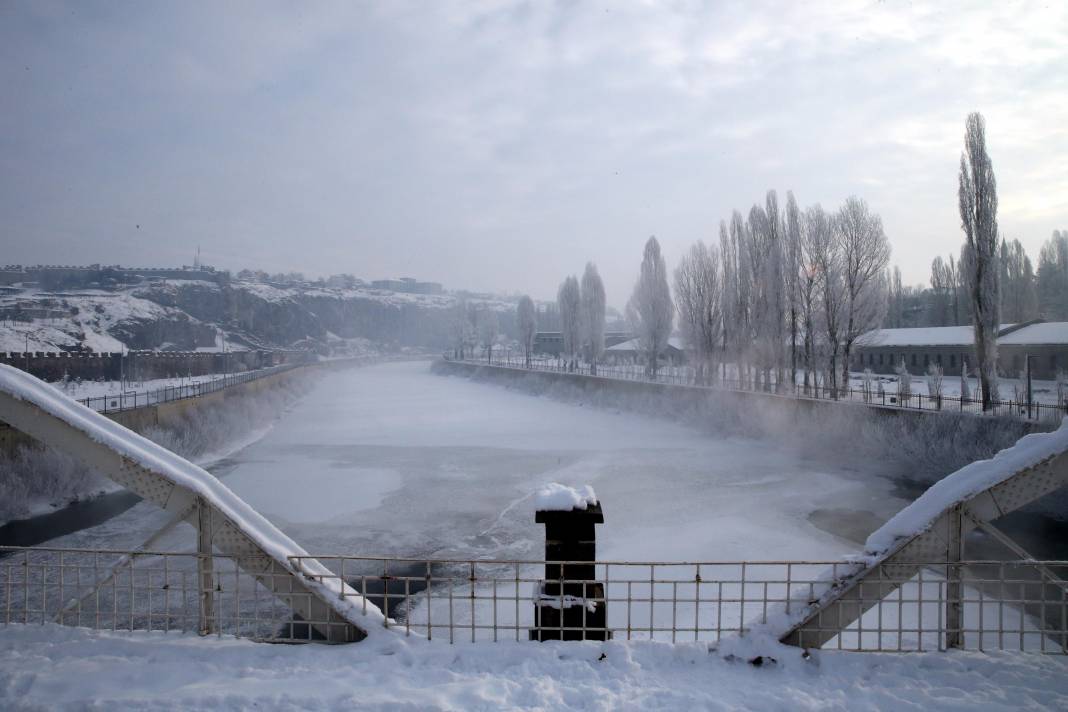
(128, 400)
(687, 376)
(1005, 605)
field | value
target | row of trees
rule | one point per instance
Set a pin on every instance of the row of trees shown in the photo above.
(1025, 293)
(786, 290)
(581, 306)
(790, 291)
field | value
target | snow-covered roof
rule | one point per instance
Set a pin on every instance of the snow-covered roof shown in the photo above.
(925, 336)
(635, 345)
(1049, 332)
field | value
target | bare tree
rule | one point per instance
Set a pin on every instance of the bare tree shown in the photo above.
(1019, 297)
(825, 256)
(1052, 277)
(526, 318)
(460, 327)
(943, 288)
(865, 254)
(792, 275)
(569, 301)
(698, 293)
(488, 328)
(978, 213)
(813, 222)
(650, 309)
(592, 315)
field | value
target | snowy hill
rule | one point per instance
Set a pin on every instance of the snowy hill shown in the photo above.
(179, 314)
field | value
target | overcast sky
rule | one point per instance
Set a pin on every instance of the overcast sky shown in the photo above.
(501, 145)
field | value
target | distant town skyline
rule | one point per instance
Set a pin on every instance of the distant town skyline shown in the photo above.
(501, 146)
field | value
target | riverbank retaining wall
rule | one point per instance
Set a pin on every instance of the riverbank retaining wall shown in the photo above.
(933, 443)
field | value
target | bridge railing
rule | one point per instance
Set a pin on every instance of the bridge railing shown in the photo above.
(128, 400)
(687, 376)
(1018, 605)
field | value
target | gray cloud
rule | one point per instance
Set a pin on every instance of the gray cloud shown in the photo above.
(501, 145)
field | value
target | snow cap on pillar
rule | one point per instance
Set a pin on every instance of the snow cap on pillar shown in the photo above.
(555, 497)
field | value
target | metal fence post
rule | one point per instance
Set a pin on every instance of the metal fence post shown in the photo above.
(205, 569)
(954, 555)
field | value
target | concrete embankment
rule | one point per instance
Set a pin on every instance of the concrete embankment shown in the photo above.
(173, 413)
(932, 443)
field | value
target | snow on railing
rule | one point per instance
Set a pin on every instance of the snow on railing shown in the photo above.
(1006, 606)
(687, 376)
(129, 400)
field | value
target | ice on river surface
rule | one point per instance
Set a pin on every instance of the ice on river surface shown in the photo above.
(391, 459)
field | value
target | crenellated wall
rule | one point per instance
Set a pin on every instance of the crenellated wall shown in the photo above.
(144, 365)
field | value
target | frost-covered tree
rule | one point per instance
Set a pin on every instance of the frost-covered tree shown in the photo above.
(650, 310)
(865, 253)
(943, 292)
(526, 318)
(965, 388)
(461, 327)
(825, 256)
(934, 384)
(812, 222)
(904, 382)
(793, 277)
(698, 294)
(488, 328)
(592, 316)
(569, 303)
(978, 202)
(1052, 279)
(1019, 298)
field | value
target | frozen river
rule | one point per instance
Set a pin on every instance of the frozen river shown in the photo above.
(391, 459)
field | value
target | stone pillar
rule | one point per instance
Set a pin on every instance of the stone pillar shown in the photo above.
(569, 604)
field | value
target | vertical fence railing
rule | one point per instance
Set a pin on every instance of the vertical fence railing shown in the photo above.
(128, 400)
(1017, 605)
(686, 376)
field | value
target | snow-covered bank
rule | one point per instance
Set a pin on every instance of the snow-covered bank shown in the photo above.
(48, 667)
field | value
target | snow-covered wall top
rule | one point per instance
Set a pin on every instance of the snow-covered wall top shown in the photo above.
(555, 497)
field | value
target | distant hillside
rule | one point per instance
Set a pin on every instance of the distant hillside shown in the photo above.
(182, 314)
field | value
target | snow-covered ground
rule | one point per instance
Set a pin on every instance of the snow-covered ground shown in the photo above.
(1012, 389)
(63, 668)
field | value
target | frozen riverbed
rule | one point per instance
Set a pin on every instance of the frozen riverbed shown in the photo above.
(391, 459)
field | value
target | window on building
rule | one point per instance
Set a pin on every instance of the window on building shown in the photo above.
(938, 358)
(1053, 363)
(914, 359)
(880, 359)
(926, 360)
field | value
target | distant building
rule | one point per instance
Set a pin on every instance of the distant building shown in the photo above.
(552, 342)
(409, 285)
(883, 350)
(632, 352)
(101, 276)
